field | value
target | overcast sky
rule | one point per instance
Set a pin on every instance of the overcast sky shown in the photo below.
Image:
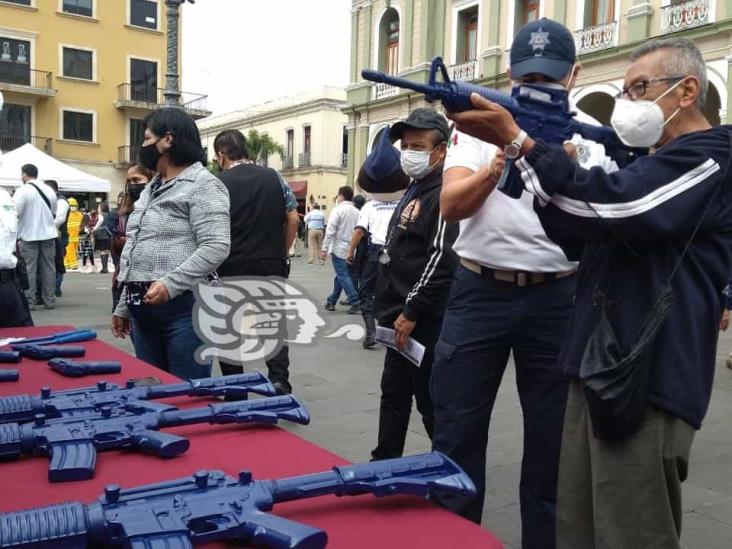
(241, 52)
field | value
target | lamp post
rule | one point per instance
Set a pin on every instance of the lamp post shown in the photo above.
(172, 79)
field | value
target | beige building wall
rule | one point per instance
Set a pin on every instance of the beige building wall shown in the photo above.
(319, 109)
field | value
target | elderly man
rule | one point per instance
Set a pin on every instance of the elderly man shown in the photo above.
(656, 246)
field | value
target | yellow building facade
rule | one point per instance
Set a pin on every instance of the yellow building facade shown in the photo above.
(78, 77)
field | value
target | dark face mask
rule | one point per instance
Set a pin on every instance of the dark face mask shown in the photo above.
(133, 191)
(149, 156)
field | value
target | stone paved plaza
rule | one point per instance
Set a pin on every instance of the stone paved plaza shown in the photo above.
(339, 382)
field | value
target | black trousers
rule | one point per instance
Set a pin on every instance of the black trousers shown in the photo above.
(367, 281)
(485, 321)
(278, 366)
(400, 381)
(13, 304)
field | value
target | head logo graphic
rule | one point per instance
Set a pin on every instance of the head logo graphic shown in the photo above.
(539, 40)
(245, 319)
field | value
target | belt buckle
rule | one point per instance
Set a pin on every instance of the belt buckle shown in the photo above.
(521, 279)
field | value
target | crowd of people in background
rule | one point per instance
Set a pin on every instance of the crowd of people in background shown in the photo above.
(576, 275)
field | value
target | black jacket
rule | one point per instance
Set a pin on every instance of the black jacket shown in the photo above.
(652, 206)
(417, 279)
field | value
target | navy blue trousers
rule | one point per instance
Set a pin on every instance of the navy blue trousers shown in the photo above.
(485, 321)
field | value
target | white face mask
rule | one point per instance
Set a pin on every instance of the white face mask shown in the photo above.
(416, 164)
(640, 123)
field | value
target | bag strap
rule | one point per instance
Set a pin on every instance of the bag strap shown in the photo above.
(43, 196)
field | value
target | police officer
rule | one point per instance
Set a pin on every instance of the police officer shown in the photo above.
(416, 268)
(512, 294)
(264, 224)
(13, 304)
(382, 177)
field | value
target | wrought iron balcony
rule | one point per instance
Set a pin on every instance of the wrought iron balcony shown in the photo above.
(134, 96)
(596, 38)
(288, 163)
(22, 79)
(303, 160)
(128, 155)
(344, 160)
(464, 71)
(10, 142)
(382, 91)
(684, 16)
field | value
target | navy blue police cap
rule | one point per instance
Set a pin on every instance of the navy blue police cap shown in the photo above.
(384, 159)
(544, 47)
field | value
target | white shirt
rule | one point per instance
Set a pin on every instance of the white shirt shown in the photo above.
(506, 233)
(8, 231)
(374, 218)
(315, 219)
(35, 220)
(340, 227)
(62, 211)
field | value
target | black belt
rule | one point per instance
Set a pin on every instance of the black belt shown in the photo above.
(519, 278)
(7, 275)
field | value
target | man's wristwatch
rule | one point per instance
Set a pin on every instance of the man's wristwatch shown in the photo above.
(513, 149)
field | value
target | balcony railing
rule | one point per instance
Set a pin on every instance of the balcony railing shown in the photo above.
(146, 97)
(464, 71)
(344, 160)
(11, 142)
(288, 163)
(596, 38)
(128, 155)
(685, 16)
(303, 160)
(382, 91)
(22, 75)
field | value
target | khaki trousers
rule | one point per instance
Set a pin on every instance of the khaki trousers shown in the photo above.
(315, 241)
(621, 495)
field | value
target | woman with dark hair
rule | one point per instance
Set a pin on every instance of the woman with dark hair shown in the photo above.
(177, 235)
(137, 177)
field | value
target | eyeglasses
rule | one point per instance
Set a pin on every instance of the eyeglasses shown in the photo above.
(639, 89)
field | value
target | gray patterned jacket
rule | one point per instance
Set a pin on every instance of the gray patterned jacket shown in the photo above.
(177, 234)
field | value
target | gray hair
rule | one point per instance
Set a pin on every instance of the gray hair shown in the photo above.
(686, 60)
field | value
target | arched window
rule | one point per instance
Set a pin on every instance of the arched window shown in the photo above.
(389, 42)
(598, 105)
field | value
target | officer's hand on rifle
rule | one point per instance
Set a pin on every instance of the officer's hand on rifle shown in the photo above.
(489, 122)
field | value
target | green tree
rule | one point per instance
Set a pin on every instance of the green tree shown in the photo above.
(260, 146)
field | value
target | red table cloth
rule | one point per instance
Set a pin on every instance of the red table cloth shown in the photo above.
(268, 451)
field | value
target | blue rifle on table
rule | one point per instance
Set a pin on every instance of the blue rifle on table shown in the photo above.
(47, 352)
(72, 443)
(71, 336)
(70, 368)
(543, 112)
(85, 401)
(210, 506)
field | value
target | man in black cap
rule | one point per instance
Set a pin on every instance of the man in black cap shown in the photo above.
(415, 273)
(512, 295)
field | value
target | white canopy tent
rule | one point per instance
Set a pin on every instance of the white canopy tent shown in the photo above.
(69, 179)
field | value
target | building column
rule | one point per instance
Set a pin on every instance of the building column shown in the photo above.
(367, 30)
(432, 30)
(639, 21)
(362, 146)
(351, 129)
(407, 33)
(491, 56)
(354, 45)
(724, 111)
(560, 11)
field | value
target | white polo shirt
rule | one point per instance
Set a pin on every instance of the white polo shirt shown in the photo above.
(8, 231)
(506, 232)
(374, 218)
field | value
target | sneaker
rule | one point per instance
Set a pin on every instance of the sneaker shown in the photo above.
(354, 310)
(310, 262)
(345, 302)
(49, 305)
(330, 306)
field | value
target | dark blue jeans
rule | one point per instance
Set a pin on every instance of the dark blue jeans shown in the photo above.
(343, 282)
(367, 280)
(165, 338)
(485, 321)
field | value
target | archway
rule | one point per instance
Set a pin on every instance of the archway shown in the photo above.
(598, 105)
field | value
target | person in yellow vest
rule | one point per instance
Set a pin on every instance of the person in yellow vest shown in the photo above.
(71, 260)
